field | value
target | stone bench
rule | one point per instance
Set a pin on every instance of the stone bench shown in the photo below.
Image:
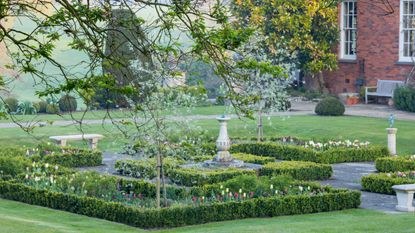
(405, 195)
(92, 139)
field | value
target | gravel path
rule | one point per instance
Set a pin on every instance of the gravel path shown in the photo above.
(298, 108)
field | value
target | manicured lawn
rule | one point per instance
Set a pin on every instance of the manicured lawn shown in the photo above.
(314, 127)
(325, 128)
(17, 217)
(101, 114)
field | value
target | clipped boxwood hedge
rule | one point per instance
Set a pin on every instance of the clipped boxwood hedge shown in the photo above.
(144, 168)
(182, 215)
(74, 158)
(382, 182)
(13, 166)
(198, 177)
(12, 151)
(395, 164)
(298, 170)
(248, 158)
(299, 153)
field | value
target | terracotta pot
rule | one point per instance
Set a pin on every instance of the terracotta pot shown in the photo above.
(352, 101)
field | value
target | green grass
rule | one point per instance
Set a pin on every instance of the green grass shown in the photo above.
(17, 217)
(313, 127)
(101, 114)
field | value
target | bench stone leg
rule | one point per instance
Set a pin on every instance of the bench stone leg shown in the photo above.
(93, 143)
(61, 143)
(405, 201)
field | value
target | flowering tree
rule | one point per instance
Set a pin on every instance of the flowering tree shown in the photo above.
(265, 80)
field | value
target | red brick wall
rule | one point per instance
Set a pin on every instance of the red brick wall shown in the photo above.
(377, 45)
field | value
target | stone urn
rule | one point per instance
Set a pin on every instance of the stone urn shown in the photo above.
(223, 143)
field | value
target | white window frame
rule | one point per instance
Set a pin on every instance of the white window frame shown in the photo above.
(402, 57)
(343, 55)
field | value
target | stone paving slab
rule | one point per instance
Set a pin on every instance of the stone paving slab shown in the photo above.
(348, 175)
(109, 160)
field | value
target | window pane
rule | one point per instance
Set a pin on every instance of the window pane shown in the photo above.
(405, 7)
(349, 27)
(406, 50)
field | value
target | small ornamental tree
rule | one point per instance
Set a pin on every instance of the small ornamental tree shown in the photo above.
(264, 84)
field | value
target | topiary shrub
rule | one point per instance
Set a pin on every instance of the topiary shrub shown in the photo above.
(52, 109)
(42, 106)
(67, 103)
(404, 98)
(330, 106)
(11, 104)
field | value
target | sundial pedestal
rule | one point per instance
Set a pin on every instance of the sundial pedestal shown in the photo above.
(392, 140)
(223, 143)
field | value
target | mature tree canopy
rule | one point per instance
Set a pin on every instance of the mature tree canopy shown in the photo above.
(299, 32)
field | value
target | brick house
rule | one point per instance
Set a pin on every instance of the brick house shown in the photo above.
(374, 44)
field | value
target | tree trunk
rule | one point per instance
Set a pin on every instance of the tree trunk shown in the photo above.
(321, 84)
(260, 128)
(158, 178)
(163, 182)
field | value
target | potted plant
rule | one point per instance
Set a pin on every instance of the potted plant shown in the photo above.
(352, 100)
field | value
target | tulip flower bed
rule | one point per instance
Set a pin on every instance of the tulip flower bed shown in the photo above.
(132, 202)
(383, 182)
(325, 154)
(394, 164)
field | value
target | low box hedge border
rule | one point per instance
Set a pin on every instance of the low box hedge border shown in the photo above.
(299, 153)
(394, 164)
(10, 151)
(75, 158)
(145, 168)
(299, 170)
(197, 177)
(248, 158)
(186, 215)
(382, 183)
(70, 157)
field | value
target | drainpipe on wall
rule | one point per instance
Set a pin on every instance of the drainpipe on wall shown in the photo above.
(361, 80)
